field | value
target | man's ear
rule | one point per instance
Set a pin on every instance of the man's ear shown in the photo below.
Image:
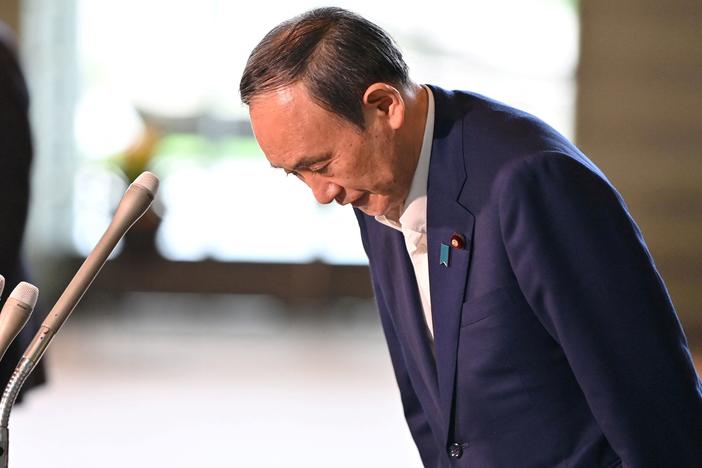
(384, 101)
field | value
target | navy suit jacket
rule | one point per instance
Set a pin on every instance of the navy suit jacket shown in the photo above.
(556, 343)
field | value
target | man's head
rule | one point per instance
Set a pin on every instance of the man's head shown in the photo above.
(329, 95)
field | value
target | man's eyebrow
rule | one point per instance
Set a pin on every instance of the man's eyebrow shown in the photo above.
(307, 161)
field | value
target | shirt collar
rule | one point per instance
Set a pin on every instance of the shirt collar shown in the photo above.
(414, 212)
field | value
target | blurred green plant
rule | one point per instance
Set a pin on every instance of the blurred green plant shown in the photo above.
(137, 157)
(176, 149)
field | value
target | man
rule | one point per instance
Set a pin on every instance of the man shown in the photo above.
(15, 162)
(526, 322)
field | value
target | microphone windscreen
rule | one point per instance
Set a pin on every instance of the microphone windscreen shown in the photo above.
(26, 293)
(149, 181)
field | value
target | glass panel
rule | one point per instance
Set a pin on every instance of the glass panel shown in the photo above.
(159, 91)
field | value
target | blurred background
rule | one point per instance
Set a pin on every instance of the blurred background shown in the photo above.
(235, 326)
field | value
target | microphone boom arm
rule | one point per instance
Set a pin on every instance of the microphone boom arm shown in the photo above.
(133, 205)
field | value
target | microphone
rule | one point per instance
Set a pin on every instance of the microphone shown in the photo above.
(2, 284)
(132, 206)
(134, 203)
(16, 312)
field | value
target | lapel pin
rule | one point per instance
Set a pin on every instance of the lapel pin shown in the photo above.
(457, 241)
(444, 255)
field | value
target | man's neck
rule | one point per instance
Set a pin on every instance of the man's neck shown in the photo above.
(411, 136)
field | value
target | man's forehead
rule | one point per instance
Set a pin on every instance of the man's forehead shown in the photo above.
(292, 130)
(281, 97)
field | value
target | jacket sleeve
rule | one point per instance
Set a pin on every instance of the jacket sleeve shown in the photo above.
(414, 414)
(583, 267)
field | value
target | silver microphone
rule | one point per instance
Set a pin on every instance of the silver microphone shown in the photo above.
(132, 206)
(16, 312)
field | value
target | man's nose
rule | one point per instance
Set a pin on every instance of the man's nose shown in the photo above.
(324, 191)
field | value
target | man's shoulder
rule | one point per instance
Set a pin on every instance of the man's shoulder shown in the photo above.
(498, 141)
(490, 133)
(489, 117)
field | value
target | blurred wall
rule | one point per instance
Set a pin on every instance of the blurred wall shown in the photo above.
(639, 118)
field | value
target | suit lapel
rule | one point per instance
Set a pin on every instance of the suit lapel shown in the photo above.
(446, 217)
(400, 289)
(447, 285)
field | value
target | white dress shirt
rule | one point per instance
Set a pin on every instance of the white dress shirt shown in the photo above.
(413, 220)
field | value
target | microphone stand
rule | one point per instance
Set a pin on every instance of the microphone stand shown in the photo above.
(133, 205)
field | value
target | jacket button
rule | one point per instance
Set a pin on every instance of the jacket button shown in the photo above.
(455, 450)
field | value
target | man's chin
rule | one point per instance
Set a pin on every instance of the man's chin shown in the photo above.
(375, 205)
(374, 210)
(370, 213)
(368, 210)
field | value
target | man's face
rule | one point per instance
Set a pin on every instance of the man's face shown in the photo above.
(332, 156)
